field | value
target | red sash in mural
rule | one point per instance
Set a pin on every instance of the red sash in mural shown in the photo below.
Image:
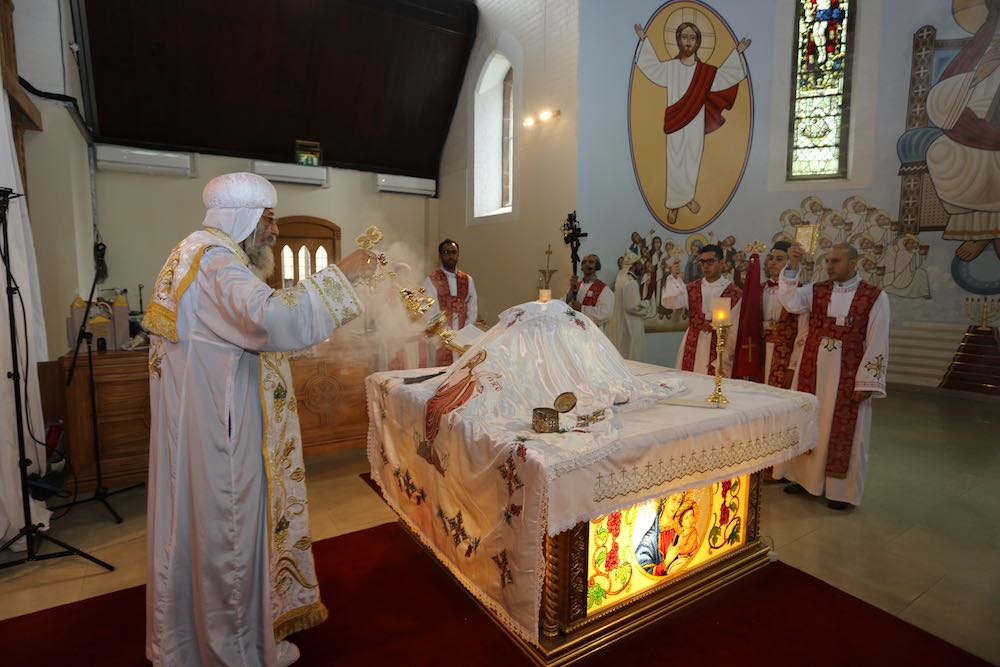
(852, 337)
(699, 94)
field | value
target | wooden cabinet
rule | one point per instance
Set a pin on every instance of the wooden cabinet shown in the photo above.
(329, 386)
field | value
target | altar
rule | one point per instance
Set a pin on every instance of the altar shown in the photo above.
(574, 539)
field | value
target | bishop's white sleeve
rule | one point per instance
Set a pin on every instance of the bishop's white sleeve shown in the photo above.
(601, 313)
(650, 64)
(675, 294)
(875, 362)
(795, 299)
(242, 310)
(472, 304)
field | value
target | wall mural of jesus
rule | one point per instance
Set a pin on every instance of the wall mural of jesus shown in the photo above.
(690, 80)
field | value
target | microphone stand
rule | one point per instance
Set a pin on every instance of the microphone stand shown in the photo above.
(101, 493)
(31, 532)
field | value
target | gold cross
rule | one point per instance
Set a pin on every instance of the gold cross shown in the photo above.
(369, 238)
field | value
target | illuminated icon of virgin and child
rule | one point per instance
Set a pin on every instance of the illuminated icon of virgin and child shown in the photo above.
(672, 539)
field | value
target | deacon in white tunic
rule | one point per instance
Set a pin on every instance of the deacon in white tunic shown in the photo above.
(589, 294)
(779, 340)
(697, 350)
(626, 326)
(230, 570)
(844, 363)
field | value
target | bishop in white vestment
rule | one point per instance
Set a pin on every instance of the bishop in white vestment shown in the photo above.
(844, 362)
(230, 570)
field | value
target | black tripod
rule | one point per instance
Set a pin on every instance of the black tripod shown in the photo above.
(32, 533)
(101, 492)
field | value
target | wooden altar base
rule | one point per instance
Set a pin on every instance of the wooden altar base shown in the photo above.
(569, 632)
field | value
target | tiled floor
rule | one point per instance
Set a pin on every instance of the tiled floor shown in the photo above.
(923, 545)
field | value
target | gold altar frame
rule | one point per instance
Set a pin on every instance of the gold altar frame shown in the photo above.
(568, 634)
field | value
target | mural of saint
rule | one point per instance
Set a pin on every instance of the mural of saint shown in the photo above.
(697, 93)
(672, 538)
(964, 162)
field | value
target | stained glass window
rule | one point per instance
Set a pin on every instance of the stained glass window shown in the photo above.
(822, 89)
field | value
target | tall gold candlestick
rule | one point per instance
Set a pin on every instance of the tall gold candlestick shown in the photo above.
(717, 397)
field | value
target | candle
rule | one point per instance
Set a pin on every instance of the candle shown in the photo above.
(721, 310)
(544, 295)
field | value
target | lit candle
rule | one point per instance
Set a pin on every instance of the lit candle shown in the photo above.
(721, 310)
(544, 295)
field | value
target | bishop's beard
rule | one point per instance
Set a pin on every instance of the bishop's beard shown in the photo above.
(261, 260)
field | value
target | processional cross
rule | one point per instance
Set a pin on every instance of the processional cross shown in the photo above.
(571, 237)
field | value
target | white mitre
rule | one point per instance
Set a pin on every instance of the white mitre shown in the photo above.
(235, 203)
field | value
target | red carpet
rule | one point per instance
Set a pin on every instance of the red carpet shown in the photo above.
(390, 604)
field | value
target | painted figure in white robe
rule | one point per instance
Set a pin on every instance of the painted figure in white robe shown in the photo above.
(697, 350)
(590, 295)
(904, 275)
(964, 162)
(229, 570)
(844, 362)
(454, 294)
(626, 328)
(697, 94)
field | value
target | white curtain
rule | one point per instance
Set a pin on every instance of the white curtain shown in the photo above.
(22, 258)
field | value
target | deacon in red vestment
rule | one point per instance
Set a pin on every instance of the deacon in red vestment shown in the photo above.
(454, 294)
(844, 362)
(590, 295)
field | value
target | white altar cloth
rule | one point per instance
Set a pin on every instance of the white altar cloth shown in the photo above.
(486, 514)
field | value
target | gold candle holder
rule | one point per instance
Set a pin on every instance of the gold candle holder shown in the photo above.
(717, 397)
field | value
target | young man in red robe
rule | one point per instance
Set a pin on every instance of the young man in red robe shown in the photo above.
(454, 294)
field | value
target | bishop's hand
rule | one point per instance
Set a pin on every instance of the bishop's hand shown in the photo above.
(359, 265)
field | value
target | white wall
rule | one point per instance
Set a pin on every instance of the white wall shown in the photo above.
(610, 204)
(503, 253)
(143, 216)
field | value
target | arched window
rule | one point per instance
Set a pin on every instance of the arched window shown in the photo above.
(493, 144)
(305, 262)
(287, 267)
(821, 89)
(318, 243)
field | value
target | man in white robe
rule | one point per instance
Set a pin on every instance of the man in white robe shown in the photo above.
(697, 350)
(454, 294)
(230, 570)
(697, 93)
(784, 332)
(590, 295)
(844, 362)
(626, 327)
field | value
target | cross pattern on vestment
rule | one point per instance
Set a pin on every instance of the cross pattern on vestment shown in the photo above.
(749, 346)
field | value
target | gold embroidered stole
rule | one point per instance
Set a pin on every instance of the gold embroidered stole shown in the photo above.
(295, 603)
(177, 274)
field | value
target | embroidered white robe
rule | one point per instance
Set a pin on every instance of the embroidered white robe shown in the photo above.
(771, 307)
(809, 469)
(471, 305)
(228, 575)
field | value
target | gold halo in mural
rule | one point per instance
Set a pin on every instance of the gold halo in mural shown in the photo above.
(970, 14)
(691, 239)
(689, 15)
